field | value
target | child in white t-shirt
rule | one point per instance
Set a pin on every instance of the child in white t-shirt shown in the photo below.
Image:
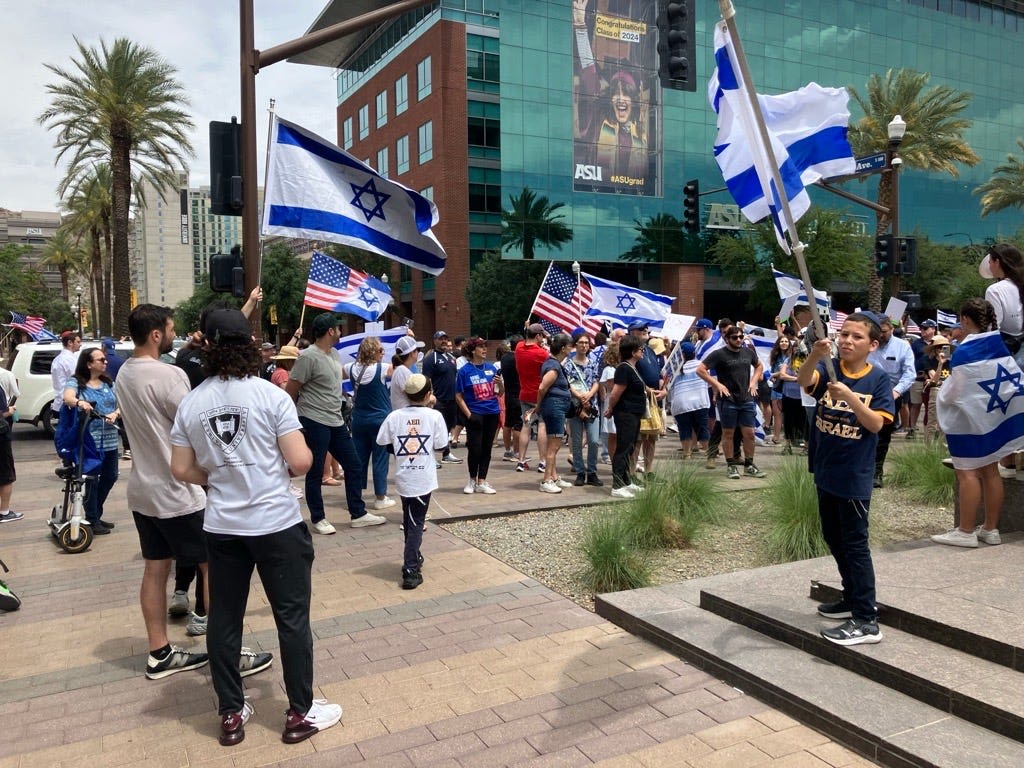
(413, 434)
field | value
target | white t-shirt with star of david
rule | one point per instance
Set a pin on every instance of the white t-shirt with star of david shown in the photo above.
(415, 433)
(233, 427)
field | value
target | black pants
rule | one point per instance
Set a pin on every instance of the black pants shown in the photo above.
(414, 517)
(627, 429)
(844, 526)
(284, 561)
(794, 419)
(882, 450)
(183, 577)
(480, 431)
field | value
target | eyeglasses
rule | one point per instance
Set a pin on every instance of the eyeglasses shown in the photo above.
(734, 336)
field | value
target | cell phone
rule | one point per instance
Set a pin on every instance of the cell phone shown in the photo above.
(945, 350)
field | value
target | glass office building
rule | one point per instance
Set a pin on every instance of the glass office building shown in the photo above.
(571, 107)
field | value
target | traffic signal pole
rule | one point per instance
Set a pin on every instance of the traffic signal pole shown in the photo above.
(251, 61)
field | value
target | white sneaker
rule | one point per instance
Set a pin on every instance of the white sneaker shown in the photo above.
(384, 503)
(562, 483)
(470, 487)
(321, 716)
(1007, 473)
(368, 519)
(484, 487)
(324, 527)
(989, 537)
(634, 488)
(178, 605)
(622, 493)
(550, 486)
(956, 538)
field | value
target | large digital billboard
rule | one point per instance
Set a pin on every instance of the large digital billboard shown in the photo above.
(616, 92)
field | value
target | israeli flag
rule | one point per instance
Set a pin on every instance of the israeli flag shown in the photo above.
(807, 130)
(347, 348)
(318, 191)
(791, 285)
(621, 305)
(981, 404)
(946, 319)
(705, 348)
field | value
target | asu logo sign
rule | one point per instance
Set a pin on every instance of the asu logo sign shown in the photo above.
(588, 172)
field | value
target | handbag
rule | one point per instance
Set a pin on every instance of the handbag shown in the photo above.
(652, 423)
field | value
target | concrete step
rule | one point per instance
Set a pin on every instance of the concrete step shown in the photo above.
(974, 689)
(885, 725)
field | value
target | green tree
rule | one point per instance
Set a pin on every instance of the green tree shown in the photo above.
(65, 253)
(88, 200)
(1005, 189)
(934, 140)
(23, 290)
(946, 276)
(120, 104)
(501, 292)
(834, 253)
(186, 313)
(284, 286)
(661, 239)
(533, 221)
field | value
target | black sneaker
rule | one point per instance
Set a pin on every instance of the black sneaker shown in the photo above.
(411, 579)
(854, 632)
(178, 660)
(595, 481)
(837, 610)
(250, 662)
(580, 480)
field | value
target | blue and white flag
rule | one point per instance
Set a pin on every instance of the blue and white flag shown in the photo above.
(339, 288)
(318, 191)
(791, 285)
(807, 130)
(705, 348)
(981, 404)
(621, 305)
(946, 319)
(347, 348)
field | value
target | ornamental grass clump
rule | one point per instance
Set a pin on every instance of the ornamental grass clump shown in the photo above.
(614, 560)
(791, 504)
(919, 469)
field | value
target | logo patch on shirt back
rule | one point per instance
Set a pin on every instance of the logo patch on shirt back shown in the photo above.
(225, 426)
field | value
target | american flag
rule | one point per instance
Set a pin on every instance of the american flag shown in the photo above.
(912, 327)
(334, 286)
(562, 301)
(836, 320)
(32, 325)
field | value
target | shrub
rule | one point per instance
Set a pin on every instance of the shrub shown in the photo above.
(615, 561)
(695, 500)
(918, 468)
(791, 501)
(671, 510)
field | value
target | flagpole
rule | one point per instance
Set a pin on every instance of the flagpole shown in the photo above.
(579, 299)
(271, 115)
(539, 289)
(729, 16)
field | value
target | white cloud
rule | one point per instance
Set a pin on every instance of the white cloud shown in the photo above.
(198, 37)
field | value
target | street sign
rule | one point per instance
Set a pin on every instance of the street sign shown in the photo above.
(870, 163)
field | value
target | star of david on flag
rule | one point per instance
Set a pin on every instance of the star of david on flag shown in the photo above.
(981, 405)
(622, 304)
(316, 190)
(34, 326)
(339, 288)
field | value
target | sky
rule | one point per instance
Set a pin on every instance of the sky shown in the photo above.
(198, 37)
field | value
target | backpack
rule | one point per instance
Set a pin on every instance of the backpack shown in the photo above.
(72, 436)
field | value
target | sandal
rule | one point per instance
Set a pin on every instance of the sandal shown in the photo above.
(329, 481)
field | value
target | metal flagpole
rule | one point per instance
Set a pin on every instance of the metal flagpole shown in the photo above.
(271, 116)
(534, 305)
(729, 17)
(576, 294)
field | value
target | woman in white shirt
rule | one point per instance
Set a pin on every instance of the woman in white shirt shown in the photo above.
(1004, 262)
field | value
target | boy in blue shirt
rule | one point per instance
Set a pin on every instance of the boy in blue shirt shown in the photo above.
(847, 418)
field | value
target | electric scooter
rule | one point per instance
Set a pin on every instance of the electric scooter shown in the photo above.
(67, 521)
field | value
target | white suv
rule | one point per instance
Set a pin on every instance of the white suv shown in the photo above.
(30, 364)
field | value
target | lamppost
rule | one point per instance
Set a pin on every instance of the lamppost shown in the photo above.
(896, 129)
(78, 294)
(579, 304)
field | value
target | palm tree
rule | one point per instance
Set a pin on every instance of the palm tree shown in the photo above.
(934, 140)
(90, 197)
(533, 220)
(63, 252)
(661, 239)
(120, 104)
(1006, 187)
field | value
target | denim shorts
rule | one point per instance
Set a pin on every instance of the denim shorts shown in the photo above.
(552, 411)
(737, 414)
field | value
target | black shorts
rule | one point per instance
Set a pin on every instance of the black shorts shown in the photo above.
(7, 473)
(449, 410)
(182, 538)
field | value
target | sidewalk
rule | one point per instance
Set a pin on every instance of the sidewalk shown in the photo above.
(480, 666)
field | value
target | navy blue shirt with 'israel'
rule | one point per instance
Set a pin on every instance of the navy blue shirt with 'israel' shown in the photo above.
(841, 452)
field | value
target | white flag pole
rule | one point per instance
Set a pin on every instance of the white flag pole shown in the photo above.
(729, 17)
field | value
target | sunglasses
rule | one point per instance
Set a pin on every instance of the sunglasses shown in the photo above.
(98, 360)
(734, 336)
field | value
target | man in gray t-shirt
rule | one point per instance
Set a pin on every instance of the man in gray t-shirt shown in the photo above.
(315, 385)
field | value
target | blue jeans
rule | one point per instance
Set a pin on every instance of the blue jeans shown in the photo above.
(844, 526)
(321, 438)
(96, 491)
(284, 561)
(576, 429)
(364, 437)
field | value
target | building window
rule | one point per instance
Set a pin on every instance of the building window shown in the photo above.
(426, 141)
(364, 121)
(484, 195)
(382, 162)
(402, 155)
(428, 192)
(483, 71)
(346, 130)
(382, 109)
(423, 79)
(401, 94)
(484, 129)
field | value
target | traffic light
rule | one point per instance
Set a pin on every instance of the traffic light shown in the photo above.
(691, 207)
(226, 168)
(906, 256)
(676, 34)
(885, 255)
(226, 272)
